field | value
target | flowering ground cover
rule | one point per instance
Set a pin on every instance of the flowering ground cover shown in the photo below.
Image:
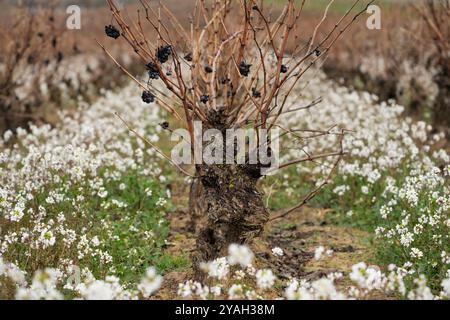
(87, 210)
(84, 198)
(393, 183)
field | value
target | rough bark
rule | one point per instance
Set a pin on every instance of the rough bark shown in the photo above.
(225, 204)
(226, 208)
(196, 206)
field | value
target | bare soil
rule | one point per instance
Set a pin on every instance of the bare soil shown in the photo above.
(298, 234)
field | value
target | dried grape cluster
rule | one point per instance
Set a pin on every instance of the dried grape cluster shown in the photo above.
(164, 125)
(244, 68)
(256, 93)
(208, 69)
(163, 53)
(204, 98)
(112, 32)
(148, 97)
(153, 71)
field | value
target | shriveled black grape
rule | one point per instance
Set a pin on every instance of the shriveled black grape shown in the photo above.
(112, 32)
(148, 97)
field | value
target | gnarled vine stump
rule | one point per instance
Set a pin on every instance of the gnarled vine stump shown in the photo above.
(226, 208)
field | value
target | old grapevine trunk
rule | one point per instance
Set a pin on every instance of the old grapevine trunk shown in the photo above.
(225, 204)
(226, 208)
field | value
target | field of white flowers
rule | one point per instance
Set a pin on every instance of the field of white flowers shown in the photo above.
(84, 204)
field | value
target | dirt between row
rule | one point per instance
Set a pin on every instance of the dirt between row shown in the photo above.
(298, 234)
